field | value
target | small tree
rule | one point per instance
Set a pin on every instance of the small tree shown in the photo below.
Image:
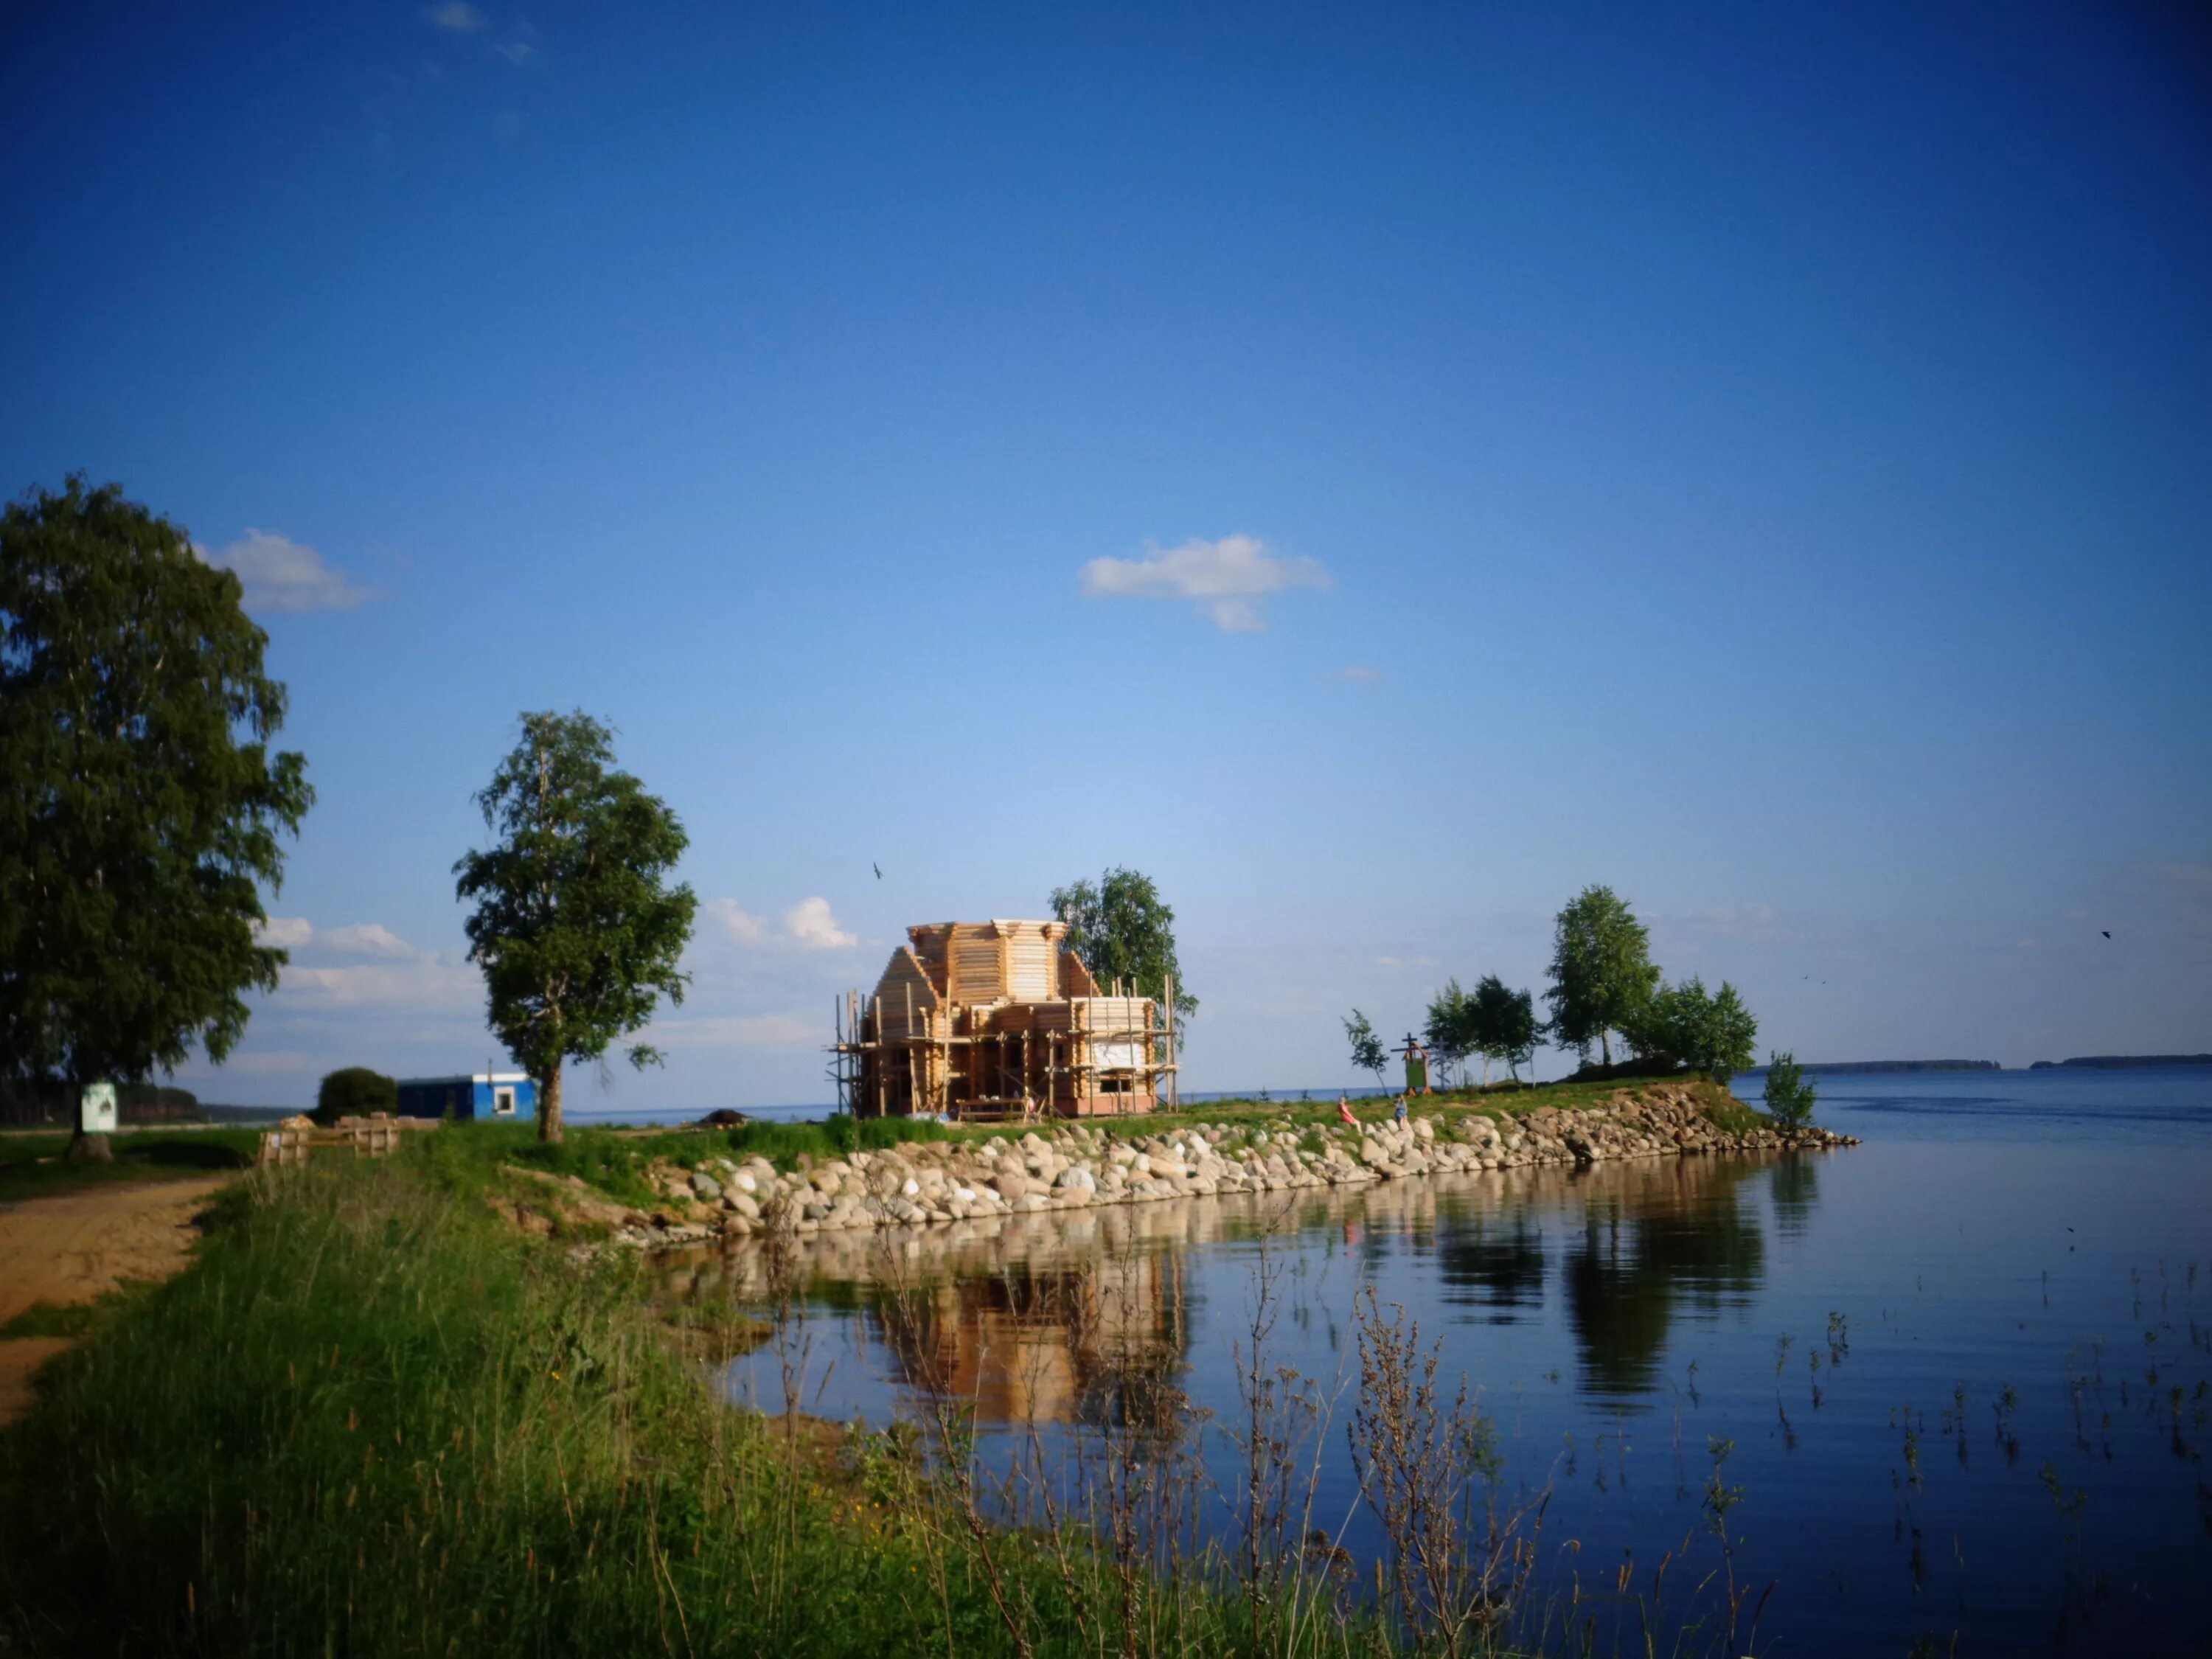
(1790, 1093)
(1518, 1032)
(1367, 1053)
(355, 1091)
(576, 930)
(1601, 971)
(1448, 1032)
(1122, 929)
(142, 808)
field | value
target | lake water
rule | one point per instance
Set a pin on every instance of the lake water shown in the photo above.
(1966, 1367)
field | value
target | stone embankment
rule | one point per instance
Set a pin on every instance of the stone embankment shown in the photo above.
(1071, 1166)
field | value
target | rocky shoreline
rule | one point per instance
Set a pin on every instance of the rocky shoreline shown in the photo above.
(1074, 1165)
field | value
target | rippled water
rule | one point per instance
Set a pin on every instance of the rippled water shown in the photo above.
(1926, 1349)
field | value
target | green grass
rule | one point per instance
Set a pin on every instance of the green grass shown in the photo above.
(77, 1318)
(370, 1420)
(32, 1165)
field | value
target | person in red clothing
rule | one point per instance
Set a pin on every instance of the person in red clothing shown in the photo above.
(1344, 1111)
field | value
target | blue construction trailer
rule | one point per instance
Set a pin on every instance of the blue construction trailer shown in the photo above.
(490, 1095)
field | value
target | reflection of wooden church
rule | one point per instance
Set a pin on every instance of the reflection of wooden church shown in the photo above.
(1105, 1341)
(999, 1019)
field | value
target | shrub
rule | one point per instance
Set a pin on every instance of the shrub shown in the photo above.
(355, 1091)
(1790, 1096)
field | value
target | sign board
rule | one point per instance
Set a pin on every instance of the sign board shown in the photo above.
(96, 1111)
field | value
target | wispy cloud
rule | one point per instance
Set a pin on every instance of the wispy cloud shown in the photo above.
(359, 938)
(394, 975)
(731, 918)
(734, 1031)
(457, 15)
(367, 938)
(1357, 676)
(1747, 923)
(810, 922)
(1228, 579)
(429, 983)
(518, 48)
(270, 1062)
(284, 575)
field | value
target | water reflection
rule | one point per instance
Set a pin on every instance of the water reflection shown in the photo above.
(1099, 1342)
(1681, 1236)
(1088, 1315)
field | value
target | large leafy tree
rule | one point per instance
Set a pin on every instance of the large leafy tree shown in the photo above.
(141, 807)
(575, 927)
(1601, 971)
(1501, 1024)
(1123, 930)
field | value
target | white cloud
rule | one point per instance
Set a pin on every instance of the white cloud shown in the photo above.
(282, 574)
(366, 938)
(810, 922)
(278, 1062)
(1226, 578)
(428, 983)
(734, 1031)
(455, 14)
(517, 51)
(359, 939)
(1357, 676)
(285, 932)
(731, 918)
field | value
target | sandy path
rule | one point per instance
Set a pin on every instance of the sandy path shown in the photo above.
(71, 1247)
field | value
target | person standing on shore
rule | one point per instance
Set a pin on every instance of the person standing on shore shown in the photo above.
(1400, 1114)
(1344, 1111)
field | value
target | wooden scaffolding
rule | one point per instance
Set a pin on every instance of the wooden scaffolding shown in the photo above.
(994, 1021)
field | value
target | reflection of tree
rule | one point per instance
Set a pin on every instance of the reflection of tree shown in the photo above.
(1797, 1190)
(1103, 1341)
(1500, 1268)
(1681, 1238)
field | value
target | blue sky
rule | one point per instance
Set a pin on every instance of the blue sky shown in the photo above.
(1377, 470)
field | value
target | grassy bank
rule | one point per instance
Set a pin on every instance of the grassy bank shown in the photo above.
(370, 1420)
(32, 1165)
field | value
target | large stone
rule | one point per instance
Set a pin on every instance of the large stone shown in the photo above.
(705, 1186)
(1010, 1186)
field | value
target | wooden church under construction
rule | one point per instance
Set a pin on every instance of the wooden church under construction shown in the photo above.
(999, 1020)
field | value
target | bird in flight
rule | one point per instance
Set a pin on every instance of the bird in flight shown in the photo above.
(878, 869)
(2106, 931)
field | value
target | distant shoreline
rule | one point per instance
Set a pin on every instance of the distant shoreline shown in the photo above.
(2120, 1062)
(1852, 1068)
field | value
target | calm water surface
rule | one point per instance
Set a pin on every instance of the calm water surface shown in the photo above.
(2007, 1292)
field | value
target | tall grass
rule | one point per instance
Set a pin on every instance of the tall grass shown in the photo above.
(371, 1420)
(368, 1421)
